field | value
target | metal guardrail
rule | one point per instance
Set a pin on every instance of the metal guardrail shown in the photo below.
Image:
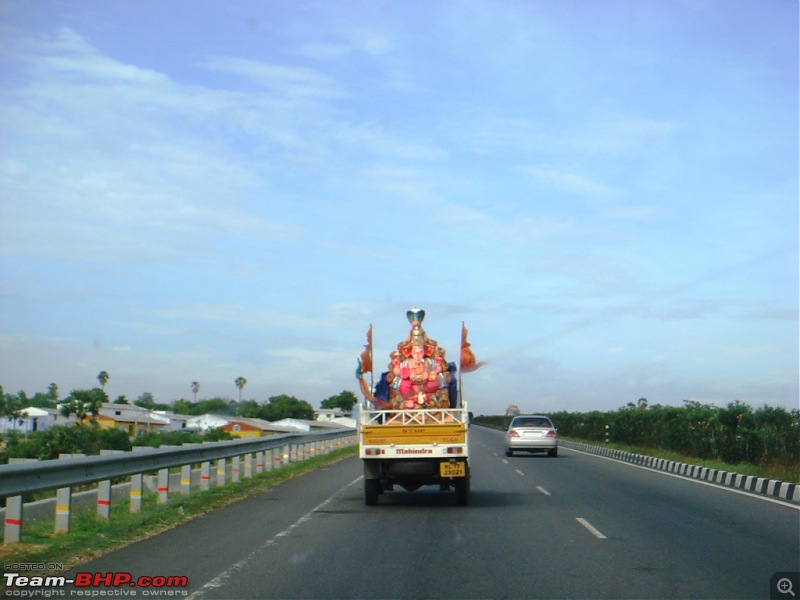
(63, 474)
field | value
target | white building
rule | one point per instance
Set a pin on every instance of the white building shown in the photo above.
(34, 419)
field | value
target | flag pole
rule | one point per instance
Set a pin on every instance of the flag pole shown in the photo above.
(460, 392)
(371, 364)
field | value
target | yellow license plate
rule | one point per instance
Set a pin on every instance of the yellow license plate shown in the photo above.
(456, 469)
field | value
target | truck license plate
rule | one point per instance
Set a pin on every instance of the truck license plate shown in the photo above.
(456, 469)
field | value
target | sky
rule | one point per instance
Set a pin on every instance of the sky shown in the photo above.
(605, 192)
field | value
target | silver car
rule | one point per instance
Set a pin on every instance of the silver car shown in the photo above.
(533, 433)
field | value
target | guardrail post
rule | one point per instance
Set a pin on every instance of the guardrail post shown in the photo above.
(137, 483)
(104, 492)
(104, 499)
(13, 521)
(221, 466)
(186, 479)
(259, 462)
(235, 469)
(248, 466)
(63, 503)
(163, 486)
(269, 459)
(136, 492)
(205, 475)
(286, 455)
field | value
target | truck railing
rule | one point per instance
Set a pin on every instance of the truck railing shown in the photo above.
(435, 416)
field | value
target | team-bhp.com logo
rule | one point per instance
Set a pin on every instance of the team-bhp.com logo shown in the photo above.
(88, 584)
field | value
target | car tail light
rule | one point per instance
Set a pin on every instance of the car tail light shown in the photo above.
(513, 433)
(551, 433)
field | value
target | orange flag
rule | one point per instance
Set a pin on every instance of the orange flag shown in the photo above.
(468, 363)
(366, 355)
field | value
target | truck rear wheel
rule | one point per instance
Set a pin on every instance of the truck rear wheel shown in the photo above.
(372, 489)
(462, 489)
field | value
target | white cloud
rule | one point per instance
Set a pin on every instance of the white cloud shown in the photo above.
(570, 182)
(289, 81)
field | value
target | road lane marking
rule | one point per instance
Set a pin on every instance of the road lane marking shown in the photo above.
(591, 528)
(520, 472)
(544, 491)
(716, 486)
(222, 578)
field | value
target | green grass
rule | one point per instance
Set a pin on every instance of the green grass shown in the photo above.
(789, 472)
(90, 537)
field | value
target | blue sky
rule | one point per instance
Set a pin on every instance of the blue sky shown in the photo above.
(605, 192)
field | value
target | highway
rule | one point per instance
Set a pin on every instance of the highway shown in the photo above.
(576, 526)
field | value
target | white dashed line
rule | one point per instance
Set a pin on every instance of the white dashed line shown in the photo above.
(233, 570)
(591, 528)
(544, 491)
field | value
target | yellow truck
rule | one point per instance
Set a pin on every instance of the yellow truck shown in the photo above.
(413, 426)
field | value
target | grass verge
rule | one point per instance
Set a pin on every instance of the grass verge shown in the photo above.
(782, 472)
(90, 537)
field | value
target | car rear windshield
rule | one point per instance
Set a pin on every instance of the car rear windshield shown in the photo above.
(532, 422)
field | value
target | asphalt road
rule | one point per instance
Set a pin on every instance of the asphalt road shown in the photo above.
(576, 526)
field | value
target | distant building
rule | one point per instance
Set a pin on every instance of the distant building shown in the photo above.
(333, 415)
(512, 410)
(34, 419)
(131, 418)
(176, 422)
(203, 423)
(245, 427)
(295, 424)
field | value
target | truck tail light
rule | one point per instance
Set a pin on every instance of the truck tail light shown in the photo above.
(454, 450)
(373, 451)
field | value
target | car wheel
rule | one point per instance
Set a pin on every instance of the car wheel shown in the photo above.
(552, 453)
(509, 452)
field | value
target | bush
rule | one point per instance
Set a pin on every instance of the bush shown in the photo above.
(732, 434)
(178, 438)
(64, 439)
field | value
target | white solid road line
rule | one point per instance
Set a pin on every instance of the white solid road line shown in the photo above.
(717, 486)
(591, 528)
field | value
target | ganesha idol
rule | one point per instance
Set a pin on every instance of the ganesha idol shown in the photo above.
(418, 373)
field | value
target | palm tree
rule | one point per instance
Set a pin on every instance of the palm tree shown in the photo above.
(195, 389)
(240, 383)
(103, 378)
(84, 403)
